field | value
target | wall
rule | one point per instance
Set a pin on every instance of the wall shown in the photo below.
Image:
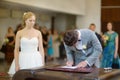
(66, 6)
(92, 15)
(60, 22)
(64, 21)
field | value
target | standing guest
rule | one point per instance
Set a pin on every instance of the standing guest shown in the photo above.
(19, 27)
(56, 43)
(82, 50)
(30, 42)
(50, 50)
(93, 27)
(44, 32)
(9, 52)
(110, 50)
(36, 26)
(61, 47)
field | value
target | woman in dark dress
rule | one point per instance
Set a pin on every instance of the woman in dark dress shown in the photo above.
(10, 40)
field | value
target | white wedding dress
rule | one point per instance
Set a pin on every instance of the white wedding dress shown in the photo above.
(29, 57)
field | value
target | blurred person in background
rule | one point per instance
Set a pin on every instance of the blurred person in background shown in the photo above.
(19, 27)
(44, 32)
(93, 27)
(110, 51)
(9, 42)
(50, 50)
(56, 44)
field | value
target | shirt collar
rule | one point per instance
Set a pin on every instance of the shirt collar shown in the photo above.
(78, 44)
(79, 35)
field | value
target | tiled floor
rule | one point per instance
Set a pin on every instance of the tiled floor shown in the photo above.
(4, 68)
(3, 65)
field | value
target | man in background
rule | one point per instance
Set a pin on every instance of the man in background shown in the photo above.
(93, 27)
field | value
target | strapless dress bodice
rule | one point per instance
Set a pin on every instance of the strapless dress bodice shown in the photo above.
(29, 45)
(29, 56)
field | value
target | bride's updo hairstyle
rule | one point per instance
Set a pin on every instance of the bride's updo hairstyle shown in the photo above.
(27, 15)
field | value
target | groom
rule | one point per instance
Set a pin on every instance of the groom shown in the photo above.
(82, 48)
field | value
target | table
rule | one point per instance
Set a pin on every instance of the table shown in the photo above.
(43, 74)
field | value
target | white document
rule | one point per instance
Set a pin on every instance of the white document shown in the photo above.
(70, 67)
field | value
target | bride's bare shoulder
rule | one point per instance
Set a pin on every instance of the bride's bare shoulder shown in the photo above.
(20, 32)
(37, 31)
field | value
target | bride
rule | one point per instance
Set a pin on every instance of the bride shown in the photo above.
(28, 51)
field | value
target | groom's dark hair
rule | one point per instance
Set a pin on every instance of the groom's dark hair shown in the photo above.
(70, 37)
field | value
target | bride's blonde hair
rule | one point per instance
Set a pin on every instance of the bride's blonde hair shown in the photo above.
(27, 15)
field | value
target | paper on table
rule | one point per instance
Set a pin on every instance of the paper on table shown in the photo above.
(70, 67)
